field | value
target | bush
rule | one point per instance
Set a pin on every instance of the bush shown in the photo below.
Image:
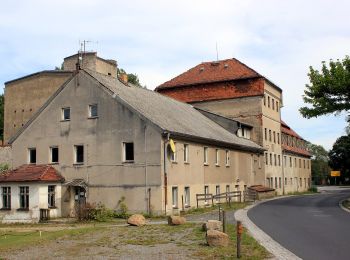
(4, 167)
(313, 189)
(122, 211)
(100, 213)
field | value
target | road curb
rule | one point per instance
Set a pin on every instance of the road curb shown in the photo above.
(276, 249)
(342, 207)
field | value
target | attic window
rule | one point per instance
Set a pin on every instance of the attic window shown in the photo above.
(32, 155)
(226, 66)
(66, 113)
(128, 152)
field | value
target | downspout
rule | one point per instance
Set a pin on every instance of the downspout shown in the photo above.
(283, 166)
(146, 184)
(165, 173)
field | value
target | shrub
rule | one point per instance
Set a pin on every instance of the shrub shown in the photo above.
(313, 189)
(100, 213)
(4, 167)
(122, 211)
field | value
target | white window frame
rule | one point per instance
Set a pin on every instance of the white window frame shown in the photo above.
(124, 152)
(205, 151)
(175, 195)
(58, 152)
(90, 111)
(62, 114)
(186, 153)
(29, 155)
(173, 155)
(187, 192)
(217, 157)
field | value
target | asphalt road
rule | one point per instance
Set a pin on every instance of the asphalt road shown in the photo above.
(311, 226)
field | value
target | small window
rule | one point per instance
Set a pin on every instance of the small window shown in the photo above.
(66, 113)
(285, 161)
(79, 154)
(270, 138)
(275, 157)
(24, 197)
(279, 182)
(273, 104)
(206, 155)
(217, 189)
(186, 156)
(277, 106)
(206, 191)
(128, 152)
(285, 181)
(270, 159)
(6, 197)
(274, 136)
(304, 164)
(265, 134)
(187, 196)
(299, 163)
(227, 188)
(227, 159)
(268, 101)
(174, 194)
(291, 181)
(32, 155)
(266, 159)
(279, 160)
(51, 196)
(54, 154)
(264, 100)
(278, 138)
(173, 156)
(217, 162)
(93, 111)
(276, 184)
(259, 161)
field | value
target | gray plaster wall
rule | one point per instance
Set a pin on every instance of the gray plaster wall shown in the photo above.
(6, 155)
(108, 177)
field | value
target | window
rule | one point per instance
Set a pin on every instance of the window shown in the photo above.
(266, 159)
(227, 161)
(24, 197)
(206, 191)
(217, 191)
(79, 154)
(295, 162)
(128, 152)
(32, 155)
(277, 107)
(93, 112)
(285, 181)
(279, 160)
(6, 197)
(301, 182)
(275, 157)
(51, 196)
(308, 164)
(187, 196)
(276, 184)
(186, 160)
(264, 100)
(273, 104)
(65, 114)
(285, 160)
(54, 154)
(206, 155)
(290, 161)
(274, 136)
(304, 164)
(279, 182)
(299, 163)
(278, 138)
(270, 136)
(268, 184)
(259, 161)
(217, 157)
(291, 181)
(266, 134)
(227, 188)
(173, 156)
(270, 159)
(268, 101)
(174, 193)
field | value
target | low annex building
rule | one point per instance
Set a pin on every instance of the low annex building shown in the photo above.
(110, 139)
(29, 189)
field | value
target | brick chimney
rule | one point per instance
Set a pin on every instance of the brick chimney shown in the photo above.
(124, 78)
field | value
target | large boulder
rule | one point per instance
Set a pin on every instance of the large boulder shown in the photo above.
(212, 225)
(176, 220)
(217, 238)
(136, 220)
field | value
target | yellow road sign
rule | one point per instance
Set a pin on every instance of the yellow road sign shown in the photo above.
(335, 173)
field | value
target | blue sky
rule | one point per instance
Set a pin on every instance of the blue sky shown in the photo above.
(160, 39)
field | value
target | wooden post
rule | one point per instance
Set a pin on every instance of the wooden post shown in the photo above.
(197, 200)
(239, 237)
(224, 221)
(149, 201)
(182, 201)
(219, 213)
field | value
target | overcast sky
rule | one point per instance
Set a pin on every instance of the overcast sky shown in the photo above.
(157, 40)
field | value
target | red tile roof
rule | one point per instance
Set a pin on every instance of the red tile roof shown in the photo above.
(32, 173)
(214, 71)
(289, 131)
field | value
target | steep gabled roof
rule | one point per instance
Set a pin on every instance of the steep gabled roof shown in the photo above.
(293, 149)
(168, 115)
(171, 115)
(213, 71)
(32, 173)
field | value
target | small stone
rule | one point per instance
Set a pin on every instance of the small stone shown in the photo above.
(217, 238)
(176, 220)
(137, 220)
(212, 225)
